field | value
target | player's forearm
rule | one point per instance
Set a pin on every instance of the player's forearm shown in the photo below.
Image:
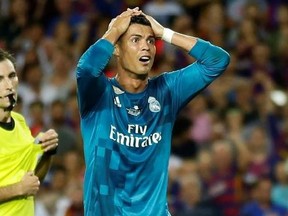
(93, 62)
(213, 59)
(210, 55)
(91, 81)
(10, 192)
(43, 166)
(183, 41)
(112, 35)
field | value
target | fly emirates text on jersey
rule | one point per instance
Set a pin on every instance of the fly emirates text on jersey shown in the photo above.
(136, 136)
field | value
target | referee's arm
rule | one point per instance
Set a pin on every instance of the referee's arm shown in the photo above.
(28, 186)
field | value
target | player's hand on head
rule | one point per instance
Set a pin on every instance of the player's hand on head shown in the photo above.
(156, 26)
(122, 21)
(29, 184)
(48, 140)
(135, 10)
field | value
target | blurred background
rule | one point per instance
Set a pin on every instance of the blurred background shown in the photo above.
(230, 144)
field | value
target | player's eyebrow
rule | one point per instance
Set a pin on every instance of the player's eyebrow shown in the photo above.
(139, 35)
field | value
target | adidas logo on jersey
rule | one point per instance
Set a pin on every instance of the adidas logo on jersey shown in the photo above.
(117, 102)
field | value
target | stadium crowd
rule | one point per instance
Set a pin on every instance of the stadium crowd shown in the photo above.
(229, 154)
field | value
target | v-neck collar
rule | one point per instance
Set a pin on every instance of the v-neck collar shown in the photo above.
(129, 94)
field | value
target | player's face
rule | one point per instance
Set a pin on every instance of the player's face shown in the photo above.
(136, 49)
(8, 83)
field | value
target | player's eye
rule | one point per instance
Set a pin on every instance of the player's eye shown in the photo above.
(135, 39)
(151, 41)
(12, 75)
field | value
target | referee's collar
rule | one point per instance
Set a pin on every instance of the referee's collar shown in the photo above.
(8, 125)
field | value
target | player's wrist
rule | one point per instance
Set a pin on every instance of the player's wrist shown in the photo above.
(167, 35)
(112, 35)
(19, 189)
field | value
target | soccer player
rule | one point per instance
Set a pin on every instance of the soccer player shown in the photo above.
(23, 163)
(126, 121)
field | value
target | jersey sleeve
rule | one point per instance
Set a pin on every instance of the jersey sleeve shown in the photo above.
(91, 81)
(184, 84)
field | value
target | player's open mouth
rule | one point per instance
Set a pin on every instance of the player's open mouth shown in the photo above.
(145, 59)
(8, 96)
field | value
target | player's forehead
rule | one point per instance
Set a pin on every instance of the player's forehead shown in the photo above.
(6, 67)
(139, 29)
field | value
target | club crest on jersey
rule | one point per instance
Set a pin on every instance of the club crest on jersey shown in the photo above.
(154, 105)
(135, 111)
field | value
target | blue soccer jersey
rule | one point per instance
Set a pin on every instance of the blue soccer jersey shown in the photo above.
(127, 137)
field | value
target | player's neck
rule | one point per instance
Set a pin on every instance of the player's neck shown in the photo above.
(5, 116)
(132, 84)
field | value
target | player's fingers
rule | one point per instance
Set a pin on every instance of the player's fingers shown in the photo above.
(51, 132)
(129, 12)
(50, 135)
(51, 147)
(49, 143)
(133, 9)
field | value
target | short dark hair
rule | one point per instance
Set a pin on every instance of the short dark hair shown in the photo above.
(140, 19)
(6, 55)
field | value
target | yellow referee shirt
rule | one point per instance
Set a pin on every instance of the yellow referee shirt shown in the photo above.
(18, 155)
